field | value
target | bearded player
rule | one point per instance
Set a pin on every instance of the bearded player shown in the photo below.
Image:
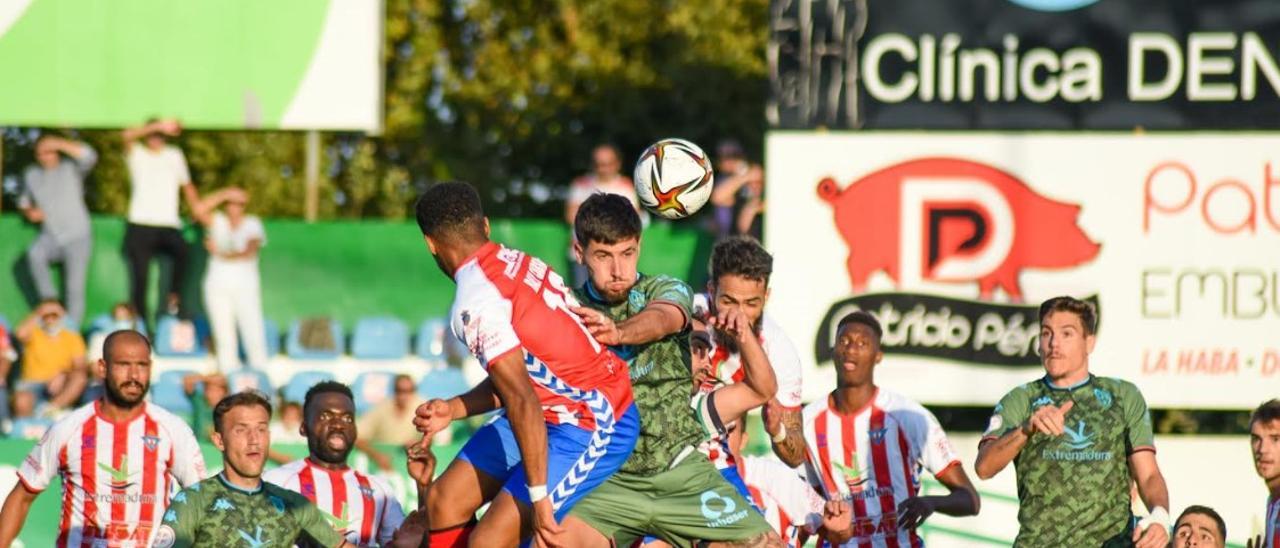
(666, 489)
(868, 447)
(117, 457)
(360, 506)
(567, 420)
(740, 269)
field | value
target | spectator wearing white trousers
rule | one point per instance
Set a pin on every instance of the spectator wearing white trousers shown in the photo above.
(232, 289)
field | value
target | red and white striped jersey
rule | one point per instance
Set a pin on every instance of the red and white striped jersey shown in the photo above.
(873, 458)
(1272, 540)
(727, 368)
(508, 301)
(362, 507)
(116, 477)
(790, 505)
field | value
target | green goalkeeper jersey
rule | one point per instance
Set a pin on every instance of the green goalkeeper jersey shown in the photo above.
(216, 513)
(1073, 489)
(660, 378)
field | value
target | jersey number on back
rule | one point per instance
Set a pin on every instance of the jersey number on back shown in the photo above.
(554, 293)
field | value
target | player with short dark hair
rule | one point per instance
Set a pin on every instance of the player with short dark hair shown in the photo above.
(1199, 527)
(115, 456)
(661, 490)
(569, 422)
(740, 268)
(236, 505)
(868, 446)
(1264, 440)
(362, 507)
(1074, 424)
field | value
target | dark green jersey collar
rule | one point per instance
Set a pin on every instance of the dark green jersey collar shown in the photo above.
(595, 296)
(1049, 384)
(223, 478)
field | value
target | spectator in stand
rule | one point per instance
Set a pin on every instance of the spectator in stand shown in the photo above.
(53, 357)
(6, 366)
(391, 422)
(1199, 527)
(605, 176)
(204, 391)
(232, 288)
(53, 197)
(158, 172)
(122, 317)
(286, 430)
(739, 192)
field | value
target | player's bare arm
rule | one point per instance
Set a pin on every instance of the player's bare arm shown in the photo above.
(759, 382)
(435, 415)
(995, 455)
(657, 320)
(511, 383)
(16, 507)
(961, 500)
(1152, 532)
(786, 429)
(837, 522)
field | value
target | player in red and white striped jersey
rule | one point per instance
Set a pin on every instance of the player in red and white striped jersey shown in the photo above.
(1264, 440)
(868, 446)
(362, 507)
(792, 507)
(739, 270)
(119, 458)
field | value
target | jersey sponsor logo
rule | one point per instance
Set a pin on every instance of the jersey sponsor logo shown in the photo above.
(255, 541)
(1076, 446)
(119, 476)
(950, 221)
(720, 510)
(866, 527)
(1078, 438)
(852, 474)
(339, 523)
(1104, 397)
(150, 442)
(165, 536)
(871, 493)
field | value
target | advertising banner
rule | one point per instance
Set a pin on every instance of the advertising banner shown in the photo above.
(1024, 64)
(213, 64)
(953, 240)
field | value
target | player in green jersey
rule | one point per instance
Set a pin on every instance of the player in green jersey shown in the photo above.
(236, 508)
(666, 488)
(1076, 440)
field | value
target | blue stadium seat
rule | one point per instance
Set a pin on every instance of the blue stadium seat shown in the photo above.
(371, 388)
(380, 338)
(4, 322)
(167, 392)
(249, 379)
(164, 342)
(445, 382)
(296, 389)
(30, 428)
(272, 331)
(102, 323)
(293, 343)
(430, 344)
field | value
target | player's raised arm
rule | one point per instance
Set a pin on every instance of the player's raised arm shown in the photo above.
(657, 320)
(759, 384)
(435, 415)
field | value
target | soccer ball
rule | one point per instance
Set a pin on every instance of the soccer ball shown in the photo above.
(673, 178)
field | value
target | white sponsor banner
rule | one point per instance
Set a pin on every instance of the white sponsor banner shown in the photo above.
(953, 239)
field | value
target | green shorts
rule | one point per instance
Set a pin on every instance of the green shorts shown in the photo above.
(688, 503)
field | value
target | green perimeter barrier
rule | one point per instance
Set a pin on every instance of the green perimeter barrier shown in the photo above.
(342, 269)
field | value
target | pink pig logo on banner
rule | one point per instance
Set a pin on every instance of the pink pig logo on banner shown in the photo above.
(951, 220)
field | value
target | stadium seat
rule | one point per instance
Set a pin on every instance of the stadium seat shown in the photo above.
(445, 382)
(371, 388)
(4, 322)
(293, 343)
(180, 342)
(30, 428)
(104, 324)
(430, 344)
(272, 330)
(167, 392)
(380, 338)
(296, 389)
(248, 379)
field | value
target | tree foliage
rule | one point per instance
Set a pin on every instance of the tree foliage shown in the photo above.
(510, 95)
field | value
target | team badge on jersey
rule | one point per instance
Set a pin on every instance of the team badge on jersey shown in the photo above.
(1104, 398)
(636, 300)
(877, 436)
(150, 442)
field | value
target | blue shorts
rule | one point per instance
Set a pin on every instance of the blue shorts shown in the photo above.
(578, 460)
(731, 475)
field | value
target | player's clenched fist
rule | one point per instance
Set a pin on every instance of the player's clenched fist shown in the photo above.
(432, 417)
(1048, 419)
